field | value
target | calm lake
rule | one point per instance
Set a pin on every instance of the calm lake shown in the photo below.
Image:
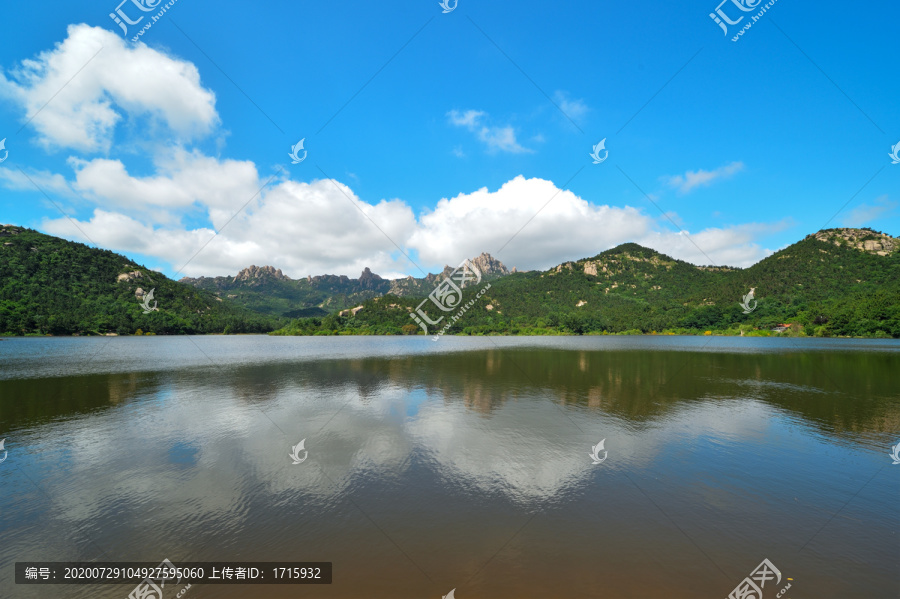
(459, 464)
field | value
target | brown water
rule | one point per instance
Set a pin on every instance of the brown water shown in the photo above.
(462, 464)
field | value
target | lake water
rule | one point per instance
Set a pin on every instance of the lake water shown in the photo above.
(459, 464)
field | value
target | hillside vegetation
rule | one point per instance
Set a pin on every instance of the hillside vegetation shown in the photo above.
(839, 282)
(57, 287)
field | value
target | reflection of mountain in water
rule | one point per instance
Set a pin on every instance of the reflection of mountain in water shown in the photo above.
(836, 391)
(30, 402)
(728, 444)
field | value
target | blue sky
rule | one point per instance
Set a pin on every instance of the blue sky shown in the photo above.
(432, 137)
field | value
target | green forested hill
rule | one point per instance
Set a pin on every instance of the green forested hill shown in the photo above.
(838, 282)
(53, 286)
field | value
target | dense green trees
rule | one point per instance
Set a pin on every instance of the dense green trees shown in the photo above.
(52, 286)
(823, 289)
(56, 287)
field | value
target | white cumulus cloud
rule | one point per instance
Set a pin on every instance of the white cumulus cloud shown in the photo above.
(532, 224)
(203, 215)
(302, 228)
(75, 93)
(182, 179)
(566, 228)
(322, 227)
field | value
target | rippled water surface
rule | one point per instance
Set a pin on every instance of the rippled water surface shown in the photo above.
(458, 464)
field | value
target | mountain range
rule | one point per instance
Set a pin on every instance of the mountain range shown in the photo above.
(843, 282)
(267, 290)
(837, 282)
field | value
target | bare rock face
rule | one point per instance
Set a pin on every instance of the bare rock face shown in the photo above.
(488, 265)
(368, 283)
(7, 230)
(369, 280)
(351, 311)
(260, 272)
(129, 276)
(401, 287)
(864, 240)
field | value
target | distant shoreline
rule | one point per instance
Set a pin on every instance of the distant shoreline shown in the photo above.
(757, 334)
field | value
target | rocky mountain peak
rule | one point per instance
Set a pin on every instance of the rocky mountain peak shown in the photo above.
(260, 272)
(368, 279)
(488, 265)
(9, 230)
(864, 240)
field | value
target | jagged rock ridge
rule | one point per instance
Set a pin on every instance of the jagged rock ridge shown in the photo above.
(864, 240)
(268, 289)
(259, 272)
